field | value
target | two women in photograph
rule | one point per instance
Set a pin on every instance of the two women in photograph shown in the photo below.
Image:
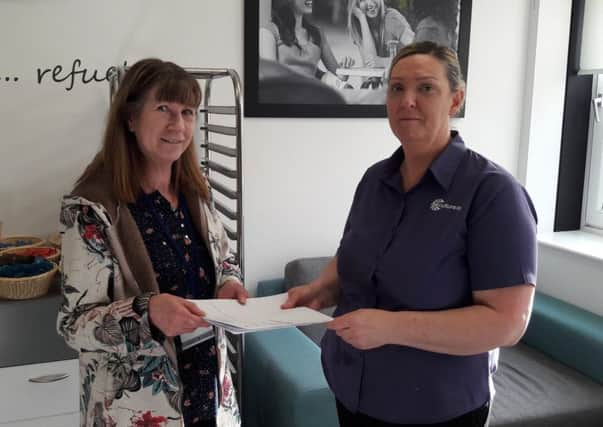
(294, 40)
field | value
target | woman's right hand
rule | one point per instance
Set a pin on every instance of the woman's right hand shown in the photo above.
(308, 295)
(312, 295)
(173, 315)
(320, 293)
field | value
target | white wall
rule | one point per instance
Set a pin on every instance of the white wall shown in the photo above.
(299, 174)
(544, 103)
(571, 276)
(49, 133)
(570, 264)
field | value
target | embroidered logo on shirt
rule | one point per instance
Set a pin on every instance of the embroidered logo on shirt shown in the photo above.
(439, 204)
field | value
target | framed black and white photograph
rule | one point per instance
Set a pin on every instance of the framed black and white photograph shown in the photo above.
(330, 58)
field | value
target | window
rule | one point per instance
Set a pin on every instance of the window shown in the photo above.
(591, 62)
(579, 203)
(593, 210)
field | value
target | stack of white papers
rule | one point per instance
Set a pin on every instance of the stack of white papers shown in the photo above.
(258, 314)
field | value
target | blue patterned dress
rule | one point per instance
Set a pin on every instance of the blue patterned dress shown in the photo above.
(183, 267)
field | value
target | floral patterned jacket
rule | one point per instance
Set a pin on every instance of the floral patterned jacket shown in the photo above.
(127, 377)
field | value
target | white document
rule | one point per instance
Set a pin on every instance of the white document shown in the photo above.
(258, 314)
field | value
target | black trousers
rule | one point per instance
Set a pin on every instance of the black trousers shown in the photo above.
(475, 418)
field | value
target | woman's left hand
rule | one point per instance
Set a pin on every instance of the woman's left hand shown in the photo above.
(364, 329)
(233, 290)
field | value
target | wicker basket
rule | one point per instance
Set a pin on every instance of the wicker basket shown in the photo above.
(55, 240)
(31, 251)
(17, 242)
(27, 287)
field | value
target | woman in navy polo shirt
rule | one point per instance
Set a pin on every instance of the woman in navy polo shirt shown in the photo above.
(435, 270)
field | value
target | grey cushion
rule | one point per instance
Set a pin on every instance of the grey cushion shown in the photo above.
(299, 272)
(303, 270)
(533, 390)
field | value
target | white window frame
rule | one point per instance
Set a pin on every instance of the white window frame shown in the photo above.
(593, 186)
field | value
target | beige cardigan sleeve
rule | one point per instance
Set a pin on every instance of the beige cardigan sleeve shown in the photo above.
(89, 318)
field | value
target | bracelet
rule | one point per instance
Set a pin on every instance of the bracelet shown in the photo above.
(140, 303)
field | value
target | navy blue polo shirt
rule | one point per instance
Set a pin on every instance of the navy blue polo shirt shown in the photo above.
(467, 226)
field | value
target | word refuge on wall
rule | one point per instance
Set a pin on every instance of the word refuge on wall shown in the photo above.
(75, 74)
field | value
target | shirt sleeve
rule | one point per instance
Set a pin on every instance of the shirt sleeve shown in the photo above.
(501, 241)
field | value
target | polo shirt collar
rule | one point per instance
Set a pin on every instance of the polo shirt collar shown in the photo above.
(446, 164)
(443, 167)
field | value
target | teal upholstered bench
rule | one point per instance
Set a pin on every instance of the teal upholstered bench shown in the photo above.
(284, 385)
(554, 378)
(568, 334)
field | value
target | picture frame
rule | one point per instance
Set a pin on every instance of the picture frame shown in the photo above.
(287, 87)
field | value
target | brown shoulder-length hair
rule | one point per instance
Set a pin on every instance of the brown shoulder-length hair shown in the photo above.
(120, 156)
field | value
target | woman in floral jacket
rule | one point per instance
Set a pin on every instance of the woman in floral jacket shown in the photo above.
(141, 236)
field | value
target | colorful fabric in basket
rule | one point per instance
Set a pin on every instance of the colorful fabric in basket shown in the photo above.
(12, 258)
(39, 266)
(38, 252)
(19, 242)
